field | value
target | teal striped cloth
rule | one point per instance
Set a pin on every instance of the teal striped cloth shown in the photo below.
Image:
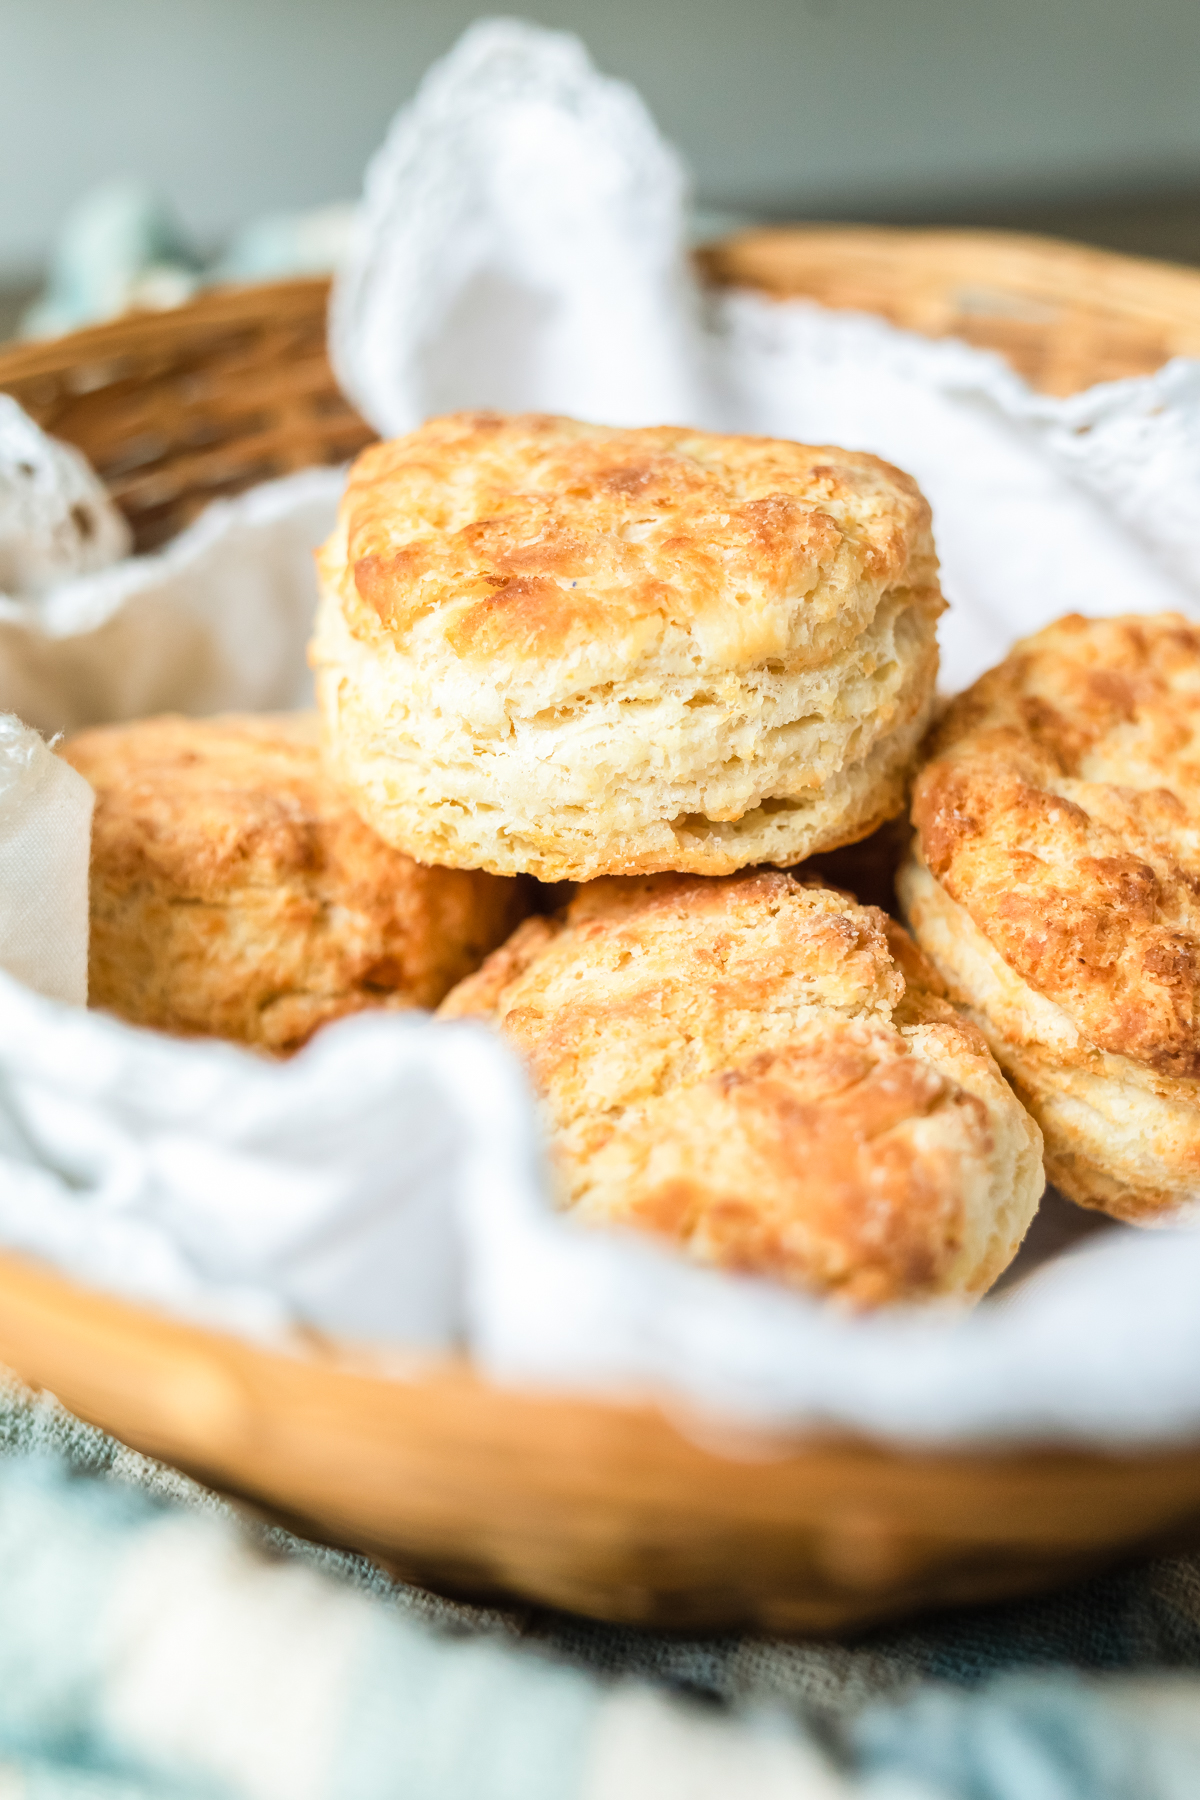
(153, 1642)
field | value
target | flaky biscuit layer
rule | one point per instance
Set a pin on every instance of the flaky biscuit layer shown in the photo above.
(1118, 1137)
(1055, 883)
(236, 893)
(572, 650)
(750, 1068)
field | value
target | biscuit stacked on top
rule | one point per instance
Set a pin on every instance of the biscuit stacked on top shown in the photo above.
(571, 651)
(649, 662)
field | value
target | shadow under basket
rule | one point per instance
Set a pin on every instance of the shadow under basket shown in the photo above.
(607, 1508)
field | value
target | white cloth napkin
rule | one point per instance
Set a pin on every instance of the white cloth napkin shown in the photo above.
(521, 244)
(257, 1194)
(216, 622)
(385, 1183)
(45, 827)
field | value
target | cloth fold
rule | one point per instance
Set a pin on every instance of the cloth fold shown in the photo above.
(45, 834)
(216, 622)
(522, 244)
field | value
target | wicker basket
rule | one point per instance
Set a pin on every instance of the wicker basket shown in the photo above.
(174, 409)
(605, 1508)
(1064, 315)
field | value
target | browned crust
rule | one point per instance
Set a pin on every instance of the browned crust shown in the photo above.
(1060, 809)
(825, 1120)
(720, 1065)
(528, 534)
(236, 893)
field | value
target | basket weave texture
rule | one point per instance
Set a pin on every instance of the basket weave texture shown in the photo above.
(1065, 316)
(175, 409)
(603, 1507)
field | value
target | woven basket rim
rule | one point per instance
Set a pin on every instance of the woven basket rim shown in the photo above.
(219, 307)
(227, 303)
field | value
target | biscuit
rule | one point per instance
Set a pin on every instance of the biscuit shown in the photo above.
(235, 893)
(576, 651)
(764, 1073)
(1055, 883)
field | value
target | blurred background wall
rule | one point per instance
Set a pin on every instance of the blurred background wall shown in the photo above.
(1077, 115)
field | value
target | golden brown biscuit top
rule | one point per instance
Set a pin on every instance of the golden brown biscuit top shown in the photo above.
(236, 893)
(1062, 810)
(215, 803)
(650, 981)
(530, 536)
(731, 1043)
